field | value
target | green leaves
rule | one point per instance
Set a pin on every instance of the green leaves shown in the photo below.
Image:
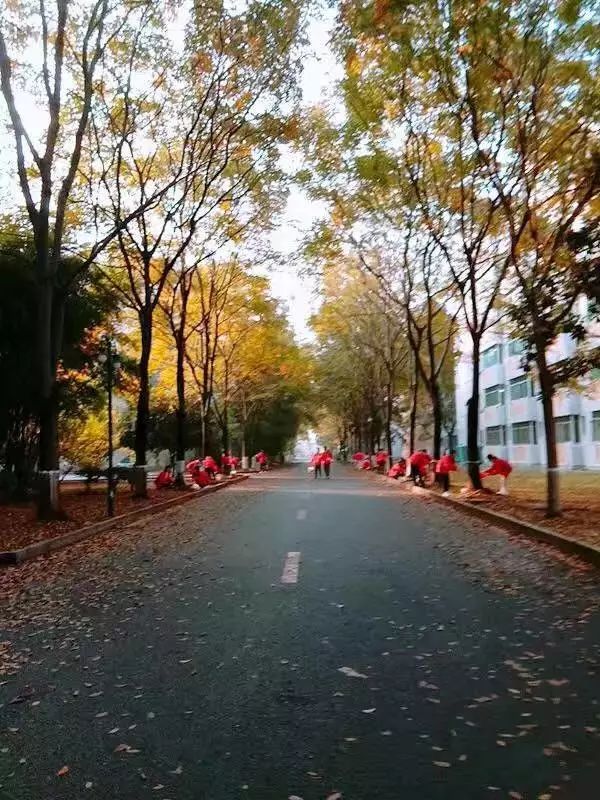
(569, 11)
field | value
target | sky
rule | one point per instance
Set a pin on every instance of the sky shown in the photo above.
(298, 292)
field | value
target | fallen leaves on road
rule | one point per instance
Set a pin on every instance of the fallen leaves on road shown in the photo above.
(352, 673)
(63, 771)
(125, 748)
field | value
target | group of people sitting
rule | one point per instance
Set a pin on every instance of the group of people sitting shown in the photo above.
(364, 461)
(321, 463)
(204, 471)
(423, 470)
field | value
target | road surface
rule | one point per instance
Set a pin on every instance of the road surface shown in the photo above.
(293, 638)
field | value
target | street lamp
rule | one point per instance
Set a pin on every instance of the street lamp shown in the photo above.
(111, 359)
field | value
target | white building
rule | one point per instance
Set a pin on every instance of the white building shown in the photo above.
(511, 421)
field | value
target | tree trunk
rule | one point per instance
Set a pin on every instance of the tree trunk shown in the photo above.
(553, 508)
(388, 425)
(436, 410)
(49, 346)
(181, 413)
(245, 463)
(143, 403)
(203, 434)
(413, 414)
(473, 424)
(225, 419)
(225, 428)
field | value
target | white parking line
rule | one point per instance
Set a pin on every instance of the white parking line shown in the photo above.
(301, 513)
(291, 568)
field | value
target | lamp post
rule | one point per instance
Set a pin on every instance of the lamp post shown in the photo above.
(111, 359)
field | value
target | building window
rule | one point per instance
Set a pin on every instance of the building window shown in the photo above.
(495, 435)
(596, 426)
(494, 396)
(520, 387)
(568, 429)
(491, 356)
(524, 433)
(516, 347)
(562, 426)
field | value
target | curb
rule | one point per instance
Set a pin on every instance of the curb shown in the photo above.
(587, 552)
(16, 557)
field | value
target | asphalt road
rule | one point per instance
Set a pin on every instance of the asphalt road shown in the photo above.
(408, 654)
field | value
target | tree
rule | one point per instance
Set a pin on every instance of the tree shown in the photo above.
(78, 384)
(64, 86)
(539, 62)
(207, 128)
(363, 356)
(83, 442)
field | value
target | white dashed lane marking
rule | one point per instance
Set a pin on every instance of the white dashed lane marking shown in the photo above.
(291, 568)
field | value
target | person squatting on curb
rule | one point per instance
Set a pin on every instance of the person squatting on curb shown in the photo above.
(443, 468)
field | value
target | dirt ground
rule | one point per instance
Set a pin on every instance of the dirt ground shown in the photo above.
(19, 526)
(580, 498)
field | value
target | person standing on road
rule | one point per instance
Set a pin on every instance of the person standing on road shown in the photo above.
(316, 462)
(443, 468)
(501, 467)
(326, 461)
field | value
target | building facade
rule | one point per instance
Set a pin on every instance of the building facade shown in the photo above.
(511, 420)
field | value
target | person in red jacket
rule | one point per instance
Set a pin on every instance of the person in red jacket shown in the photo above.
(225, 463)
(261, 459)
(397, 470)
(235, 463)
(326, 461)
(192, 466)
(443, 468)
(164, 479)
(501, 467)
(358, 458)
(316, 462)
(210, 465)
(366, 463)
(419, 465)
(201, 477)
(381, 460)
